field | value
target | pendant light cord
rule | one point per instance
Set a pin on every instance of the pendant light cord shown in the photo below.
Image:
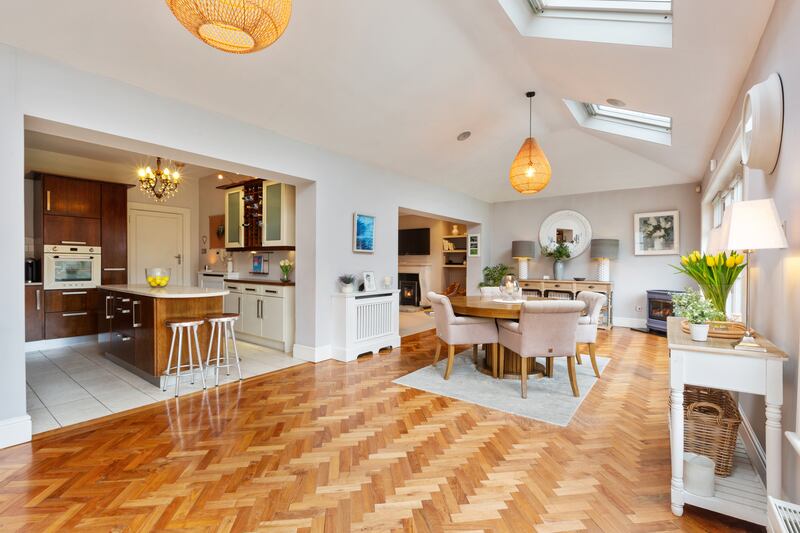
(530, 129)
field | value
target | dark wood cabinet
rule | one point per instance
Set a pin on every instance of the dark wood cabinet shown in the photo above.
(70, 324)
(71, 196)
(130, 322)
(70, 300)
(78, 231)
(34, 313)
(114, 230)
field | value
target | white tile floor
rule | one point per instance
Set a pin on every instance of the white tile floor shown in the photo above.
(77, 383)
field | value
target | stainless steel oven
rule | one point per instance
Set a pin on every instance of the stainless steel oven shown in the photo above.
(71, 267)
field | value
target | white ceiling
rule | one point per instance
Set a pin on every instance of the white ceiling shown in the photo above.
(393, 83)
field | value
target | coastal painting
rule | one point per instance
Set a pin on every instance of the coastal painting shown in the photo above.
(363, 233)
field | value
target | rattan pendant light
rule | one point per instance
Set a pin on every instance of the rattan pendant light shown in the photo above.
(530, 171)
(235, 26)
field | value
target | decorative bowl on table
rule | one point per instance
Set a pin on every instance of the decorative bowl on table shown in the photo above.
(157, 277)
(579, 279)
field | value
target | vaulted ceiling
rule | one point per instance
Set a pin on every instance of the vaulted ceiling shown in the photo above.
(393, 83)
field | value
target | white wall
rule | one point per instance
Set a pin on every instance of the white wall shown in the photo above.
(611, 216)
(61, 100)
(775, 284)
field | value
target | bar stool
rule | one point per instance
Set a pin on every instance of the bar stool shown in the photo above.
(222, 325)
(178, 326)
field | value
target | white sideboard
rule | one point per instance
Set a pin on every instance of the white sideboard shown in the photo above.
(365, 322)
(266, 313)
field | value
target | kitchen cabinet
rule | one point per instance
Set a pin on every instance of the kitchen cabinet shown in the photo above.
(278, 216)
(114, 233)
(71, 196)
(70, 300)
(34, 313)
(70, 313)
(78, 231)
(266, 312)
(234, 218)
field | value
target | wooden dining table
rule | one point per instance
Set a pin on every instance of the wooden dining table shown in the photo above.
(490, 307)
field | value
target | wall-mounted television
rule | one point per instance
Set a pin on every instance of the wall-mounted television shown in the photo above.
(414, 242)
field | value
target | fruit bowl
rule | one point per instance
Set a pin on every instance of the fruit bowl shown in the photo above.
(157, 277)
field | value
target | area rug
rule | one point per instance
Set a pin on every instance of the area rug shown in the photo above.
(549, 399)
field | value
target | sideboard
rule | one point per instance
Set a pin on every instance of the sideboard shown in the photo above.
(568, 289)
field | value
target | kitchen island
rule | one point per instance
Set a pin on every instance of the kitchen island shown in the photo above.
(131, 323)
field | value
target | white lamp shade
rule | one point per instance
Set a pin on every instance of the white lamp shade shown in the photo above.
(751, 225)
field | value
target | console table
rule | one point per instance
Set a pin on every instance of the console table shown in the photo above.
(549, 288)
(717, 364)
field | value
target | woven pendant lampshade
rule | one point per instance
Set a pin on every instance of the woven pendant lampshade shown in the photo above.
(235, 26)
(530, 171)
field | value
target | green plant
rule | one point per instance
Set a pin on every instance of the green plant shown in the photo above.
(492, 275)
(347, 279)
(559, 252)
(714, 273)
(695, 308)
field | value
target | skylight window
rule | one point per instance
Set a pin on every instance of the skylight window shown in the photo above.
(647, 7)
(621, 121)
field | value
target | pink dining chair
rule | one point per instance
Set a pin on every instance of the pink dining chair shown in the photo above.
(587, 325)
(452, 330)
(546, 328)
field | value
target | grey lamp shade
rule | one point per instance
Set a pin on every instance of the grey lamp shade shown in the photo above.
(523, 249)
(605, 248)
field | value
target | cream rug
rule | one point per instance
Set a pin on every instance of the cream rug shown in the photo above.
(549, 399)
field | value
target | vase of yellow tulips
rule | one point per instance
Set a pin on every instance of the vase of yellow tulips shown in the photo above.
(715, 274)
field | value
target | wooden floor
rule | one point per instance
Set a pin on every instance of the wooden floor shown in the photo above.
(338, 447)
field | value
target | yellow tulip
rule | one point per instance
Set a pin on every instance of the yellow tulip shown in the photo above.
(739, 259)
(684, 260)
(710, 260)
(731, 262)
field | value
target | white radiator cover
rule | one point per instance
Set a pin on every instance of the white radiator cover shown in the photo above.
(365, 322)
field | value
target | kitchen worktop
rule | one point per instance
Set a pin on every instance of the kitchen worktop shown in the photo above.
(174, 292)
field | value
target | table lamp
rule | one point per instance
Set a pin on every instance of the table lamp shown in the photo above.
(522, 251)
(604, 250)
(749, 226)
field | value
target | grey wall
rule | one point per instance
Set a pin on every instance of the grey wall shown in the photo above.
(775, 284)
(611, 216)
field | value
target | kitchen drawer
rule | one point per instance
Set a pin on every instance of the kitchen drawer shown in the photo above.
(72, 230)
(532, 285)
(70, 300)
(70, 324)
(275, 291)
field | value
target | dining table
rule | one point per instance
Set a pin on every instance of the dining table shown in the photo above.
(495, 307)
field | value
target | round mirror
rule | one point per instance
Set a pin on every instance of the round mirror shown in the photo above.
(569, 227)
(762, 124)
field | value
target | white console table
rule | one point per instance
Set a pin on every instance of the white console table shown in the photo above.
(716, 364)
(365, 322)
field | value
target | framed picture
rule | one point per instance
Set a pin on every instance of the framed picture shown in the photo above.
(474, 245)
(363, 233)
(369, 282)
(260, 264)
(656, 233)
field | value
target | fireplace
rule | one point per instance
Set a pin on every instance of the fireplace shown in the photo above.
(409, 289)
(659, 308)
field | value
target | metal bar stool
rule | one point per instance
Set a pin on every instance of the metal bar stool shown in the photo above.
(178, 326)
(222, 326)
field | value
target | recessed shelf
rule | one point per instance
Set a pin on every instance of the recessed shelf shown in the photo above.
(455, 266)
(454, 251)
(455, 236)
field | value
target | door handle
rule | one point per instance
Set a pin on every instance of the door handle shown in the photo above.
(179, 257)
(84, 313)
(38, 300)
(135, 323)
(48, 200)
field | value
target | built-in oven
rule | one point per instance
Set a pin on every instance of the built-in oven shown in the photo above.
(71, 267)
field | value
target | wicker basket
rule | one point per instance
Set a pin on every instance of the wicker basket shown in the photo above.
(711, 424)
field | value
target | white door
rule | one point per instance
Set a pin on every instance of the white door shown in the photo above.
(156, 239)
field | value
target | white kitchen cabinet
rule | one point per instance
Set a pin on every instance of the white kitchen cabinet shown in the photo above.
(232, 303)
(272, 317)
(234, 218)
(278, 214)
(251, 313)
(266, 313)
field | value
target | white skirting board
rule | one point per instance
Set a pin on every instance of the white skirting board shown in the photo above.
(16, 430)
(627, 322)
(312, 354)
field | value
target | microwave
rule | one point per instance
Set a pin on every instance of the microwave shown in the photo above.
(71, 267)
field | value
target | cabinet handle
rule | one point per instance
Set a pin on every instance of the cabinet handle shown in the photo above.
(110, 314)
(74, 242)
(114, 269)
(271, 292)
(249, 290)
(591, 286)
(239, 310)
(260, 309)
(135, 323)
(84, 313)
(74, 293)
(38, 300)
(48, 200)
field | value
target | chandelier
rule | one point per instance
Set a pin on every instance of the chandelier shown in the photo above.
(159, 184)
(530, 171)
(235, 26)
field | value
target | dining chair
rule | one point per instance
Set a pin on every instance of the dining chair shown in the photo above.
(587, 325)
(490, 291)
(546, 328)
(452, 330)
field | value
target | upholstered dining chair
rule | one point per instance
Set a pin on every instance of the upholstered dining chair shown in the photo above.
(487, 292)
(452, 330)
(546, 328)
(587, 325)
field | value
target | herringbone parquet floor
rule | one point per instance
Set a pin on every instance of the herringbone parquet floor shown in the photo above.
(337, 447)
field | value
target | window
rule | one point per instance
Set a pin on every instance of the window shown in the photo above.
(649, 7)
(634, 118)
(722, 201)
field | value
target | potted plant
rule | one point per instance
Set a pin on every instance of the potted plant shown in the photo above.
(698, 311)
(714, 273)
(560, 253)
(346, 282)
(286, 269)
(492, 275)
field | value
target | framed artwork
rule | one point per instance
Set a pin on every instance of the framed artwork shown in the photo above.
(656, 233)
(260, 264)
(369, 282)
(474, 245)
(363, 233)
